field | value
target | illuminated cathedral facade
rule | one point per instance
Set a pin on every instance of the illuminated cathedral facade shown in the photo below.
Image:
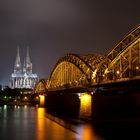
(22, 77)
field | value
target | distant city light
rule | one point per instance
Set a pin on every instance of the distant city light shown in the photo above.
(92, 93)
(25, 98)
(5, 106)
(37, 97)
(25, 106)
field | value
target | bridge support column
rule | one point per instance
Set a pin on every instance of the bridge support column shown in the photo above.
(85, 105)
(41, 100)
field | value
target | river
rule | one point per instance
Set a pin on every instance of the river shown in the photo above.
(31, 123)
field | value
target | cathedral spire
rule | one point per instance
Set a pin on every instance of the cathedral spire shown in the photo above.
(27, 63)
(28, 56)
(17, 68)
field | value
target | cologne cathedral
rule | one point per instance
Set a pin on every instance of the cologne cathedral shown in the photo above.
(22, 77)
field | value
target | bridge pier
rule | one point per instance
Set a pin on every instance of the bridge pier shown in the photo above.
(77, 105)
(42, 100)
(85, 105)
(110, 101)
(118, 101)
(63, 104)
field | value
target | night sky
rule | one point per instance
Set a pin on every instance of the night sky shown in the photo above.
(52, 28)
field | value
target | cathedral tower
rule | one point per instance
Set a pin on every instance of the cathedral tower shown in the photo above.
(27, 67)
(17, 67)
(23, 78)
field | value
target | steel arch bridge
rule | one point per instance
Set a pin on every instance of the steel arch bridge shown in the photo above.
(40, 86)
(121, 64)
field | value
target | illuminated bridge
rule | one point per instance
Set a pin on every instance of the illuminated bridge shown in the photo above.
(80, 73)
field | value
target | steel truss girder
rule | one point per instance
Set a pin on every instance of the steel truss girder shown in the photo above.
(75, 60)
(123, 61)
(130, 38)
(126, 64)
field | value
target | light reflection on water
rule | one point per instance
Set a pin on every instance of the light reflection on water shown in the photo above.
(86, 132)
(49, 130)
(31, 123)
(41, 123)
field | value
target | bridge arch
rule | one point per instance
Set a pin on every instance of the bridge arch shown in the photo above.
(122, 62)
(75, 70)
(41, 86)
(129, 39)
(125, 58)
(126, 64)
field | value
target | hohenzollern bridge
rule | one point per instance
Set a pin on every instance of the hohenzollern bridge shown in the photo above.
(78, 73)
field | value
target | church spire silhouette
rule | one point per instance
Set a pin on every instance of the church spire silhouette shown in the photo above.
(27, 63)
(17, 67)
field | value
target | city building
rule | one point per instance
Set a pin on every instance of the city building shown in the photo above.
(22, 77)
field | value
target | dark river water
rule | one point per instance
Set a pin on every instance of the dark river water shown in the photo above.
(31, 123)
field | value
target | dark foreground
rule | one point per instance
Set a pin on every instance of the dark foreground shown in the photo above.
(31, 123)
